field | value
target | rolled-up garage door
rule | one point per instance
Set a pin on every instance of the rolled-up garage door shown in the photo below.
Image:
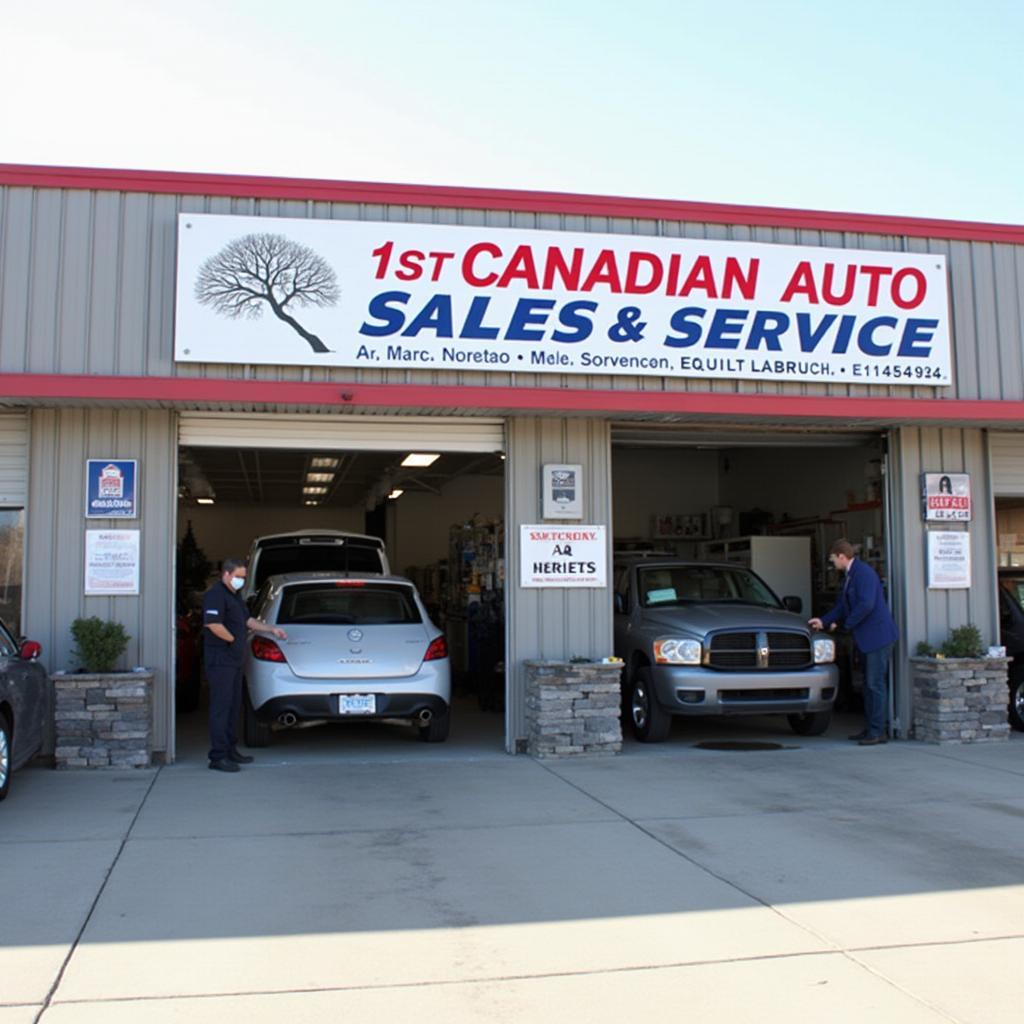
(1006, 457)
(13, 460)
(337, 433)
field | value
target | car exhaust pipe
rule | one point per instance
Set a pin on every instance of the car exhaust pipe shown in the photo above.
(287, 719)
(425, 716)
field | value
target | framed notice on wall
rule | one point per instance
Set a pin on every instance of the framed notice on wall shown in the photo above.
(949, 560)
(112, 561)
(563, 492)
(562, 556)
(111, 489)
(946, 497)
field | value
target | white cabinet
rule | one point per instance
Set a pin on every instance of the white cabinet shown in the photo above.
(784, 563)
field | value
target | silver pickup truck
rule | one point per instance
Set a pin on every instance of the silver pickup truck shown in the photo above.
(699, 638)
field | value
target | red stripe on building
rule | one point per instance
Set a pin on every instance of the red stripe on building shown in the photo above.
(373, 193)
(223, 391)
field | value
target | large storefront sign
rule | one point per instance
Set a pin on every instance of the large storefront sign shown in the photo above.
(562, 556)
(261, 290)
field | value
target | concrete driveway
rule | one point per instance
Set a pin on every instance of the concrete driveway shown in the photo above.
(366, 877)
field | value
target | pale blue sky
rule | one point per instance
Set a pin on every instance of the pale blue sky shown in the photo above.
(910, 108)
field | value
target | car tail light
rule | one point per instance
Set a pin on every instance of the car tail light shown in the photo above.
(266, 650)
(438, 649)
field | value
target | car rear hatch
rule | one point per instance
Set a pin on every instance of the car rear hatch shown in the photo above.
(324, 652)
(352, 629)
(318, 553)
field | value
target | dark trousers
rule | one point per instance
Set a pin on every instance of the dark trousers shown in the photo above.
(225, 706)
(876, 691)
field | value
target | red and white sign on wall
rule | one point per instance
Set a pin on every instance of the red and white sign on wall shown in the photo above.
(947, 497)
(263, 290)
(562, 556)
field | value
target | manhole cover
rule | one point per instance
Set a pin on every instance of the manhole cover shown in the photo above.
(738, 745)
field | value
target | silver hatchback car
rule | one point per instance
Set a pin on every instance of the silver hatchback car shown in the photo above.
(360, 646)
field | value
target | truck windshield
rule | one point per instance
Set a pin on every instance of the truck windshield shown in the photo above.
(702, 584)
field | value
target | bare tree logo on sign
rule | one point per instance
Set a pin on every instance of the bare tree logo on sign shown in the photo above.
(267, 270)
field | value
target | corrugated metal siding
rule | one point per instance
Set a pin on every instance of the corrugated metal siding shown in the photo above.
(87, 285)
(1006, 454)
(924, 614)
(13, 459)
(379, 433)
(552, 623)
(61, 441)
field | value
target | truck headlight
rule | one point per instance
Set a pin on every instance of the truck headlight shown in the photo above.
(677, 652)
(824, 650)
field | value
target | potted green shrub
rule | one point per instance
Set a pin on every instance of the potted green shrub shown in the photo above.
(103, 715)
(98, 644)
(959, 692)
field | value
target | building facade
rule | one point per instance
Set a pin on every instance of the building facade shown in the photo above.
(93, 366)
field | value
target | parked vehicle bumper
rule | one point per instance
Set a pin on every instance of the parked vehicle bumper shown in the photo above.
(324, 707)
(692, 690)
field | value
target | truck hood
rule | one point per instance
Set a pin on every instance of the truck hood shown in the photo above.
(701, 619)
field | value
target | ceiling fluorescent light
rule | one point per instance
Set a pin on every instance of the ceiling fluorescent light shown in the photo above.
(204, 501)
(323, 462)
(421, 459)
(314, 490)
(319, 478)
(396, 493)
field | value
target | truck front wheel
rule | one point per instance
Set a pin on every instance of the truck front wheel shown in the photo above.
(814, 723)
(651, 722)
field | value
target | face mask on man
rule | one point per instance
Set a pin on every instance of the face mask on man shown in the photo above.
(237, 582)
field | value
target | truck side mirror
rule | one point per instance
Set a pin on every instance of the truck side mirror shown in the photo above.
(792, 604)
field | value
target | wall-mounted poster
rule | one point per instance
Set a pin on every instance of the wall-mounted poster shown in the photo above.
(110, 489)
(946, 497)
(112, 561)
(563, 492)
(949, 560)
(562, 556)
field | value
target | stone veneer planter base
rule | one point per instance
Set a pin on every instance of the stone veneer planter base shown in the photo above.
(103, 720)
(960, 700)
(573, 708)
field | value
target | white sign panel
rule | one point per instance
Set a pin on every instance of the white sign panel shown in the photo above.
(265, 290)
(947, 497)
(949, 560)
(563, 556)
(563, 492)
(112, 561)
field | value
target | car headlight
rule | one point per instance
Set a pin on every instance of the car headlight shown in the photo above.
(677, 652)
(824, 650)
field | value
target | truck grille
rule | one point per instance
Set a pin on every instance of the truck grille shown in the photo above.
(743, 651)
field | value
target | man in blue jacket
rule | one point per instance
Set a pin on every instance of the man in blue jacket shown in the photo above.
(861, 608)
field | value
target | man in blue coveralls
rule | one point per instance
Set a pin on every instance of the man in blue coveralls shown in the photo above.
(861, 608)
(226, 620)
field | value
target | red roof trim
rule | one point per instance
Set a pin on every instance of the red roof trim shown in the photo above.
(312, 189)
(550, 400)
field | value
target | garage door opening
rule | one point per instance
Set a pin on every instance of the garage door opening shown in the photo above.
(772, 501)
(440, 516)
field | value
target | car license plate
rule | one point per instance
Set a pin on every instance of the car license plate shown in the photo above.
(357, 704)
